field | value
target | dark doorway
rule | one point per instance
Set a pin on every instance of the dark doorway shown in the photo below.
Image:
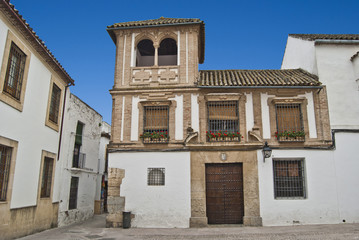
(224, 193)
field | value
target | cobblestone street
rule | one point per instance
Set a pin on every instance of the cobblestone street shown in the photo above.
(95, 229)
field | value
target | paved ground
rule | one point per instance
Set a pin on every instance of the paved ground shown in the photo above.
(95, 229)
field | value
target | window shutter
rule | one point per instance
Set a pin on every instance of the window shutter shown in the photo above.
(78, 138)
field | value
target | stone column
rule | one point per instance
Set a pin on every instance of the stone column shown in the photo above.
(115, 203)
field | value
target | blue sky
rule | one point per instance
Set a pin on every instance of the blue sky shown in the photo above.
(239, 34)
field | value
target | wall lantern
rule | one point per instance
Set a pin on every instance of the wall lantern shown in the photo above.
(267, 151)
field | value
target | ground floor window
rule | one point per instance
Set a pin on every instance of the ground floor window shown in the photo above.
(73, 192)
(156, 177)
(5, 160)
(47, 177)
(289, 178)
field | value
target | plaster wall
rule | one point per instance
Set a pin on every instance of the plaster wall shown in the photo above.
(165, 206)
(337, 72)
(28, 128)
(347, 165)
(300, 53)
(329, 177)
(75, 111)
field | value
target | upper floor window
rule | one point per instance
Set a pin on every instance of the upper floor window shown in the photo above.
(289, 178)
(79, 158)
(5, 160)
(148, 55)
(55, 104)
(145, 54)
(167, 53)
(223, 121)
(289, 122)
(15, 72)
(155, 124)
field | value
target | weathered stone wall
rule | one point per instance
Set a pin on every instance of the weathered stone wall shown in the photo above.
(115, 203)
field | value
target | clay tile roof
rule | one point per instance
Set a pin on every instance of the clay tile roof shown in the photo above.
(313, 37)
(20, 23)
(156, 22)
(160, 22)
(256, 78)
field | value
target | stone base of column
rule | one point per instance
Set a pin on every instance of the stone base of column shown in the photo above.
(252, 221)
(198, 222)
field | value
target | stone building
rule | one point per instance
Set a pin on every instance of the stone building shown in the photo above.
(32, 93)
(186, 144)
(82, 168)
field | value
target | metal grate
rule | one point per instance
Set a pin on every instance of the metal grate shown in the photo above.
(46, 177)
(73, 192)
(289, 178)
(155, 176)
(15, 71)
(289, 122)
(5, 161)
(223, 121)
(79, 158)
(155, 124)
(55, 104)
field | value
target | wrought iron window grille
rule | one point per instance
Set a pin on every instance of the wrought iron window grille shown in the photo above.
(155, 124)
(5, 162)
(289, 119)
(155, 176)
(15, 71)
(223, 121)
(289, 179)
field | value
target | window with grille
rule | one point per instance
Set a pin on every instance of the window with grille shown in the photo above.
(289, 178)
(55, 104)
(46, 177)
(5, 161)
(155, 176)
(155, 124)
(73, 192)
(223, 121)
(289, 122)
(15, 71)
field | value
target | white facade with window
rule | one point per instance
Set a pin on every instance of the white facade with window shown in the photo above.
(157, 202)
(79, 162)
(330, 173)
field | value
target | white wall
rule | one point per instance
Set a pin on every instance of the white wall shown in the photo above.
(331, 177)
(299, 54)
(156, 206)
(336, 71)
(28, 128)
(76, 110)
(347, 166)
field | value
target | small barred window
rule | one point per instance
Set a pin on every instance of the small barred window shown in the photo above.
(289, 178)
(155, 176)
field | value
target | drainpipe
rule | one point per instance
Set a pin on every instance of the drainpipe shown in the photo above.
(62, 120)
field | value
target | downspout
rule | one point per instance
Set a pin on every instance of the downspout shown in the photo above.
(62, 120)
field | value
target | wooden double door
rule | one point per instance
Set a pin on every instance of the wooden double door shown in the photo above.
(224, 193)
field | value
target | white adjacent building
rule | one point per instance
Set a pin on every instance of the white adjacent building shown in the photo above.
(82, 164)
(32, 93)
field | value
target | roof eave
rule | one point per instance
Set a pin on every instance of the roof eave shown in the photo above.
(111, 30)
